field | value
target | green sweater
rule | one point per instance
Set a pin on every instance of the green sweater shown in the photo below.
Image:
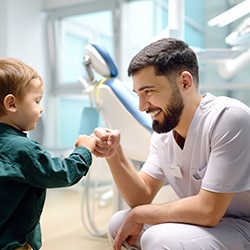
(26, 171)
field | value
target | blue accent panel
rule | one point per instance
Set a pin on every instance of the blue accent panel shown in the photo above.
(105, 55)
(130, 102)
(89, 120)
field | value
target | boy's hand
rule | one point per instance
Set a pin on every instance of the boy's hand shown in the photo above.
(88, 142)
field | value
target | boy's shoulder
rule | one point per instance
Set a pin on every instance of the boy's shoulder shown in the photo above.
(11, 136)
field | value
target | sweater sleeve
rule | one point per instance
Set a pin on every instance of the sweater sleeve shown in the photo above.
(38, 168)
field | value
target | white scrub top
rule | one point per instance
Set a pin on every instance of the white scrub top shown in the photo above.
(215, 157)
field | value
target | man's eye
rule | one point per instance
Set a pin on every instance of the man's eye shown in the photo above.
(148, 91)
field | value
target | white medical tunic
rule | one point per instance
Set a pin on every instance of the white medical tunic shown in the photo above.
(215, 157)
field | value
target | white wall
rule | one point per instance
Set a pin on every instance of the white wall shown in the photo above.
(22, 29)
(55, 4)
(3, 27)
(22, 33)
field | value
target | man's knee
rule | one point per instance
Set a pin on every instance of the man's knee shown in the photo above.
(115, 223)
(176, 236)
(164, 236)
(151, 239)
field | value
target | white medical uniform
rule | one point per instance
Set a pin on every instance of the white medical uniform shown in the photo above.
(215, 157)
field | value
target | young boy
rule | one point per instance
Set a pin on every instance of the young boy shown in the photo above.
(26, 169)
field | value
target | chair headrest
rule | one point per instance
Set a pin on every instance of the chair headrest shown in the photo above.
(100, 60)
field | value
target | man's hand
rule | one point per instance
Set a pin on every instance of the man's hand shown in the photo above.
(107, 141)
(129, 231)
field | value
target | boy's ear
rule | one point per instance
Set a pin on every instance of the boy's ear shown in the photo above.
(10, 103)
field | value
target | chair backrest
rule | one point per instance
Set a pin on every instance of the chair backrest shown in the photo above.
(118, 104)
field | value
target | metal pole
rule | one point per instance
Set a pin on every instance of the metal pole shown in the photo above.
(176, 18)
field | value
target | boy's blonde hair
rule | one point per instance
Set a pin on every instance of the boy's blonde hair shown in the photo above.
(15, 77)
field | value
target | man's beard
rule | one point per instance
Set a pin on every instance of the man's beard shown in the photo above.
(172, 114)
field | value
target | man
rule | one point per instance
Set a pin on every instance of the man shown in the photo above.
(200, 146)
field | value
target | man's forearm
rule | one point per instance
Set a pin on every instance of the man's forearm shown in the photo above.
(204, 209)
(128, 182)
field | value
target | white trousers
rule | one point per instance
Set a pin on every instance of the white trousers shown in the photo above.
(229, 234)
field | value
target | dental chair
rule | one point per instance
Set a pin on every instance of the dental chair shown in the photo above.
(118, 104)
(119, 108)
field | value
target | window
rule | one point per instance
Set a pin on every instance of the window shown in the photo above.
(71, 35)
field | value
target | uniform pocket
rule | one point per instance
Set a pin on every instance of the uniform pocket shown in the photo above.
(199, 174)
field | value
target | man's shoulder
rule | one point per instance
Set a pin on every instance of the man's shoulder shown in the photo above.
(222, 102)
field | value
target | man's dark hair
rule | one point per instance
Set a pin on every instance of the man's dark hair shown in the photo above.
(168, 56)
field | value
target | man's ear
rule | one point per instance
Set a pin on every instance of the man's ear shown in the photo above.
(10, 103)
(186, 80)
